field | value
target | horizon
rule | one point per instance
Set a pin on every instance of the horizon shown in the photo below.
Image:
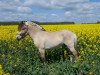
(78, 11)
(63, 22)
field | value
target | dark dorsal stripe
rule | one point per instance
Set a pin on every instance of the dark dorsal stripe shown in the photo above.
(39, 25)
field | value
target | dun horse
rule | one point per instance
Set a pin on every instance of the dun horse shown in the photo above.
(45, 40)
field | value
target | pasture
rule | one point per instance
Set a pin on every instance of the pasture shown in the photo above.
(21, 58)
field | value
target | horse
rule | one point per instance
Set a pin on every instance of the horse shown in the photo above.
(45, 40)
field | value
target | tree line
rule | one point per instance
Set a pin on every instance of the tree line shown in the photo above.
(42, 23)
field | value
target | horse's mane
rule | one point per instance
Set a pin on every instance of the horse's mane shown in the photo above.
(37, 25)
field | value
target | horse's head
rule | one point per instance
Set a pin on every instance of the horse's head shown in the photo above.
(22, 30)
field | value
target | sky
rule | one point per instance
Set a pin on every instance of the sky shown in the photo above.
(78, 11)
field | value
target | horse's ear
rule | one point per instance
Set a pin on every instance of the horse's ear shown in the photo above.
(23, 22)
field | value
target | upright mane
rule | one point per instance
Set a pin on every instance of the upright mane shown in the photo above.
(34, 24)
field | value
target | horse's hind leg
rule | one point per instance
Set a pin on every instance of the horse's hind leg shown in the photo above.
(72, 49)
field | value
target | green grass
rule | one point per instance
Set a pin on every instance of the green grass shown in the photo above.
(24, 60)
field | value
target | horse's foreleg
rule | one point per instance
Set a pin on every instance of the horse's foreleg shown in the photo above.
(74, 52)
(72, 49)
(42, 55)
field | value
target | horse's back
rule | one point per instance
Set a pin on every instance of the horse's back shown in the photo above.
(60, 33)
(67, 33)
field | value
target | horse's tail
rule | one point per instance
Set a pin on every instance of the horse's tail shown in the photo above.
(75, 40)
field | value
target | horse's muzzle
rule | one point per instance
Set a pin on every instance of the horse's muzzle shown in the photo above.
(18, 37)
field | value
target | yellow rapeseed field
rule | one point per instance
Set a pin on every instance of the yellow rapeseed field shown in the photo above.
(19, 58)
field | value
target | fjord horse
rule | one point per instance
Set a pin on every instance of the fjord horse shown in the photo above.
(45, 40)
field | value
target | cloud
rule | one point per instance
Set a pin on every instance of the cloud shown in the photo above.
(86, 12)
(68, 13)
(13, 10)
(47, 10)
(73, 8)
(13, 6)
(67, 5)
(60, 4)
(55, 15)
(24, 9)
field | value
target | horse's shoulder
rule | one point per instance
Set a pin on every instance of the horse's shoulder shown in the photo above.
(41, 33)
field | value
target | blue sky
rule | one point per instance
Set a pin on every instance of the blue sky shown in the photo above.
(79, 11)
(95, 0)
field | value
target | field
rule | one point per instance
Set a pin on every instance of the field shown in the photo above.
(21, 58)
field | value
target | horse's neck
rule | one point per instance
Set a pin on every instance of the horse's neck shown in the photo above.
(32, 31)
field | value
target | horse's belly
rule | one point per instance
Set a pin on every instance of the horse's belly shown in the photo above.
(51, 44)
(48, 46)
